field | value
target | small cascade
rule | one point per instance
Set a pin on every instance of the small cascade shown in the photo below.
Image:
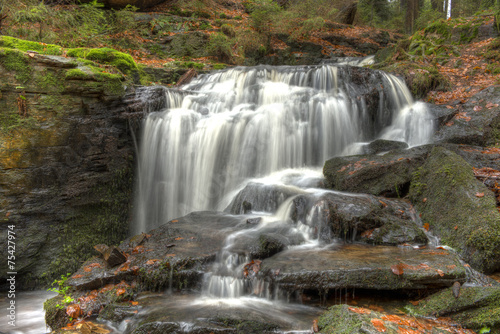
(225, 128)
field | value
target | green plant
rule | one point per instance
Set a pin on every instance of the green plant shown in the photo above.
(220, 47)
(63, 290)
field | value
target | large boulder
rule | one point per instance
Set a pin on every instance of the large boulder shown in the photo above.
(363, 267)
(476, 122)
(388, 174)
(458, 208)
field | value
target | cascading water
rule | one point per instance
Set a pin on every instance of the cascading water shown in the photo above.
(223, 129)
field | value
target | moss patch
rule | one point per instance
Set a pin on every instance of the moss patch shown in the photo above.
(23, 45)
(476, 307)
(106, 56)
(17, 61)
(458, 208)
(339, 320)
(104, 223)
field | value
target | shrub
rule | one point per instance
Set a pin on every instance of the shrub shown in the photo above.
(220, 47)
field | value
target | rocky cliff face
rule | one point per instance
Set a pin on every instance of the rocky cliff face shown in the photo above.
(66, 160)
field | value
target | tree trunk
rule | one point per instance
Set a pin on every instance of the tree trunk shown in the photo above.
(348, 13)
(412, 7)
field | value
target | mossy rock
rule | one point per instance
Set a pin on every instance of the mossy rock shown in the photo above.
(18, 62)
(122, 61)
(24, 45)
(55, 315)
(388, 175)
(458, 208)
(475, 308)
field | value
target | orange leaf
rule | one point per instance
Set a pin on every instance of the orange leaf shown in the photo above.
(152, 261)
(74, 311)
(179, 238)
(379, 325)
(359, 310)
(397, 269)
(479, 194)
(76, 276)
(170, 255)
(456, 227)
(477, 108)
(424, 200)
(134, 303)
(383, 204)
(426, 226)
(174, 221)
(440, 272)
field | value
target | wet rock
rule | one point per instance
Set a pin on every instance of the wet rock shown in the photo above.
(186, 315)
(344, 319)
(475, 308)
(476, 122)
(365, 267)
(261, 197)
(476, 156)
(113, 257)
(173, 255)
(382, 145)
(365, 218)
(458, 208)
(388, 175)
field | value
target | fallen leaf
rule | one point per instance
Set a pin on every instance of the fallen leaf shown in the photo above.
(74, 311)
(359, 310)
(490, 105)
(315, 327)
(179, 238)
(477, 108)
(383, 203)
(424, 200)
(427, 226)
(456, 227)
(397, 269)
(134, 303)
(479, 194)
(379, 325)
(440, 272)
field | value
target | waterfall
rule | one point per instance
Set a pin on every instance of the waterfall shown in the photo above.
(224, 128)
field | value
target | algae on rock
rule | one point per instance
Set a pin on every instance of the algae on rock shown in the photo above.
(458, 208)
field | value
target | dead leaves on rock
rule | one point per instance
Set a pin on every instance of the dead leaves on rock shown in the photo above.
(251, 269)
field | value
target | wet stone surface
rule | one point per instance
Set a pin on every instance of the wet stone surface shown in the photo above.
(361, 266)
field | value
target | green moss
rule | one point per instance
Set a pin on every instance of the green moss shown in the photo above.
(23, 45)
(441, 28)
(122, 61)
(105, 221)
(55, 317)
(469, 223)
(338, 320)
(49, 81)
(476, 307)
(17, 61)
(76, 74)
(219, 66)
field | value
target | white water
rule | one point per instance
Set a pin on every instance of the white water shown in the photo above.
(223, 129)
